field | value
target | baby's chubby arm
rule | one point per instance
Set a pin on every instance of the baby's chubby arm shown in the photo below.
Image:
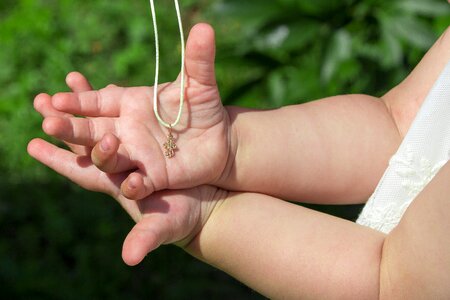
(332, 150)
(302, 152)
(279, 249)
(286, 251)
(313, 152)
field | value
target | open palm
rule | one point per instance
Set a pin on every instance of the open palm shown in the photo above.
(202, 136)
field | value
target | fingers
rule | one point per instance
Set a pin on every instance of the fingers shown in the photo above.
(134, 187)
(147, 235)
(200, 54)
(43, 102)
(77, 82)
(102, 103)
(78, 169)
(109, 158)
(43, 105)
(80, 131)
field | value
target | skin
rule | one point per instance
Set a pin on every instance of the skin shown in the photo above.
(250, 235)
(127, 114)
(222, 146)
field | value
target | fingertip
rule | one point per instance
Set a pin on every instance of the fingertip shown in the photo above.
(130, 258)
(72, 77)
(200, 54)
(133, 249)
(40, 150)
(40, 100)
(201, 40)
(204, 28)
(109, 143)
(133, 187)
(77, 82)
(104, 153)
(33, 146)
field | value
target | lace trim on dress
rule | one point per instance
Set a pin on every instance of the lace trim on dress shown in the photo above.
(423, 152)
(414, 173)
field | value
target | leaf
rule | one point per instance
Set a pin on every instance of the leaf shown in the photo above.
(389, 46)
(321, 7)
(279, 42)
(273, 39)
(339, 49)
(249, 13)
(411, 30)
(277, 88)
(426, 8)
(392, 50)
(301, 34)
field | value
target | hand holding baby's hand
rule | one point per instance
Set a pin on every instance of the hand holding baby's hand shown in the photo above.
(131, 138)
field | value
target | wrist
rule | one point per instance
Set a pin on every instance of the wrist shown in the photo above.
(225, 178)
(211, 199)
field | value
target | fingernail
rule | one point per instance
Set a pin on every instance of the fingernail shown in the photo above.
(104, 145)
(131, 185)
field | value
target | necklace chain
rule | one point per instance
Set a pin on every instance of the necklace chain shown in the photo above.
(182, 72)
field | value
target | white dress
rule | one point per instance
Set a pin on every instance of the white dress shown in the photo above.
(423, 152)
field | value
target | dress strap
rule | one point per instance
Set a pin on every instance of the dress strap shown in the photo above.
(423, 152)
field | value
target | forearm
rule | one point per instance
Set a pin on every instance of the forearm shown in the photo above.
(286, 251)
(405, 99)
(313, 152)
(416, 255)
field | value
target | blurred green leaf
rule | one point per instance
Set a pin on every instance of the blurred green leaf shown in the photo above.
(339, 50)
(277, 88)
(411, 30)
(390, 48)
(424, 7)
(250, 14)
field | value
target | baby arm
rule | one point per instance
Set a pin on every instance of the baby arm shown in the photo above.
(286, 152)
(285, 251)
(277, 248)
(280, 249)
(313, 152)
(331, 150)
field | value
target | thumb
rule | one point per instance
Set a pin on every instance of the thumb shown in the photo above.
(147, 235)
(200, 53)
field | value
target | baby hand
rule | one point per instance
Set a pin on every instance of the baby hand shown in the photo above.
(203, 137)
(168, 217)
(162, 218)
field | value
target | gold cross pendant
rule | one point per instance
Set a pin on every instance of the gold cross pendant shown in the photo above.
(170, 146)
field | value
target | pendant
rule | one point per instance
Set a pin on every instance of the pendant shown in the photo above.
(170, 146)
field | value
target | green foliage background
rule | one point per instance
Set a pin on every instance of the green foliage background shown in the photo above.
(59, 241)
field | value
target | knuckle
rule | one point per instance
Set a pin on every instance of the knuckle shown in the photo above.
(92, 132)
(99, 101)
